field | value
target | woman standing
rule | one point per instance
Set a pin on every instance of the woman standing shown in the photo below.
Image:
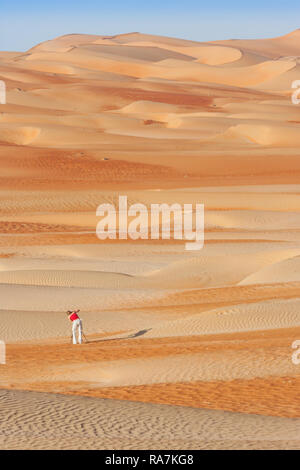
(76, 324)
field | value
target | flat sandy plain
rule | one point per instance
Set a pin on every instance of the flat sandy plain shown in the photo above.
(187, 349)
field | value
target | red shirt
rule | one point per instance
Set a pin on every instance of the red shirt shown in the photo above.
(73, 316)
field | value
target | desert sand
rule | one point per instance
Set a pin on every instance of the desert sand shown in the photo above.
(186, 349)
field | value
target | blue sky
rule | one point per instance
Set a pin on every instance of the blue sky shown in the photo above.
(24, 24)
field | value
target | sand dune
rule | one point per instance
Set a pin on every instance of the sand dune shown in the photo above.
(280, 136)
(149, 107)
(264, 315)
(168, 427)
(286, 45)
(203, 338)
(211, 55)
(215, 270)
(287, 270)
(245, 77)
(19, 135)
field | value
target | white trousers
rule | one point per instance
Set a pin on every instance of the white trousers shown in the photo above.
(77, 324)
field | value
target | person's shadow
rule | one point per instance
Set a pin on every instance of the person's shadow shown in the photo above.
(133, 335)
